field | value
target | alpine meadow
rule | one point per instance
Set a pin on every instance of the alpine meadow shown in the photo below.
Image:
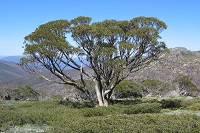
(80, 76)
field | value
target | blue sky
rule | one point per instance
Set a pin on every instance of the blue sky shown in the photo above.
(19, 18)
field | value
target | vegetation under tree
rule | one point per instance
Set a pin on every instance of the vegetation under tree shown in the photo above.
(112, 49)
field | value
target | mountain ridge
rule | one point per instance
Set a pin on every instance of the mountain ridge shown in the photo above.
(178, 61)
(10, 70)
(15, 59)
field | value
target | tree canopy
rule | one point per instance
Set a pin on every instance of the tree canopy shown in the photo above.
(111, 50)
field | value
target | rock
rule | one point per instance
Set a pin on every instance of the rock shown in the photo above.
(64, 99)
(7, 96)
(149, 95)
(159, 98)
(188, 98)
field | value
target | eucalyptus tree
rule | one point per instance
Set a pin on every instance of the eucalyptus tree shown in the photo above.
(111, 50)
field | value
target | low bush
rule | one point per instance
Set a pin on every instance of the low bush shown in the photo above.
(63, 119)
(185, 81)
(194, 107)
(127, 89)
(102, 111)
(171, 103)
(73, 104)
(139, 123)
(186, 103)
(143, 108)
(91, 112)
(126, 101)
(22, 93)
(156, 87)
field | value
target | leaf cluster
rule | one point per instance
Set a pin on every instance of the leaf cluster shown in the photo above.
(128, 85)
(24, 93)
(185, 81)
(112, 49)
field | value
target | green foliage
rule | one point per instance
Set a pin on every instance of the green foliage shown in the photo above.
(152, 83)
(143, 108)
(126, 101)
(127, 85)
(112, 49)
(156, 86)
(171, 103)
(185, 81)
(24, 93)
(74, 104)
(127, 89)
(89, 84)
(97, 111)
(26, 89)
(102, 111)
(195, 107)
(147, 123)
(99, 119)
(186, 103)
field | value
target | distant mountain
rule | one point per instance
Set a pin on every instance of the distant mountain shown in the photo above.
(1, 56)
(178, 61)
(10, 70)
(15, 59)
(12, 76)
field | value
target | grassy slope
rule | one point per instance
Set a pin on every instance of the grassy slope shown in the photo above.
(111, 119)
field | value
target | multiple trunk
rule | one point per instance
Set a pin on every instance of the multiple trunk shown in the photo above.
(101, 95)
(109, 48)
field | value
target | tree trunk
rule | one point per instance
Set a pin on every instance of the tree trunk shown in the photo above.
(102, 100)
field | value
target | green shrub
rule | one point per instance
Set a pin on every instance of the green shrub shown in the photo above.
(23, 93)
(91, 112)
(63, 119)
(127, 89)
(143, 108)
(156, 87)
(186, 82)
(139, 123)
(74, 104)
(171, 103)
(195, 107)
(186, 103)
(127, 85)
(102, 111)
(126, 101)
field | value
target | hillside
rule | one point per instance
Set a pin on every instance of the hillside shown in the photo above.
(12, 76)
(15, 59)
(171, 65)
(10, 70)
(179, 61)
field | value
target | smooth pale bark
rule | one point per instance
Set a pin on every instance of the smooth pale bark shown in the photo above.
(102, 100)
